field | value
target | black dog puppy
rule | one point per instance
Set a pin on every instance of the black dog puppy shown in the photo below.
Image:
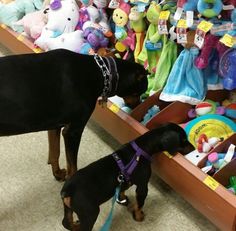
(60, 88)
(93, 185)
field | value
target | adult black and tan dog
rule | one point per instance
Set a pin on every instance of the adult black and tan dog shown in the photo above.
(91, 186)
(59, 89)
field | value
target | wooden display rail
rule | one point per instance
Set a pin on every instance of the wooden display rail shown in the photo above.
(206, 194)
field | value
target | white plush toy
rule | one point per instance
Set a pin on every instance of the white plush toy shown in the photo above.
(63, 16)
(71, 41)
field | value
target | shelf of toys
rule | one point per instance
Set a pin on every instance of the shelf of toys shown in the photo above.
(188, 49)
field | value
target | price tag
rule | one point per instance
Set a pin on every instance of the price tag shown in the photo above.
(114, 108)
(162, 22)
(205, 26)
(211, 183)
(164, 15)
(20, 38)
(37, 50)
(181, 31)
(228, 40)
(168, 154)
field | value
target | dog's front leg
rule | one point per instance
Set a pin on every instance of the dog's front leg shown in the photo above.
(136, 209)
(54, 154)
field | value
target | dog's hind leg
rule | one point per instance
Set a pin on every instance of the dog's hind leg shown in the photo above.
(72, 135)
(54, 154)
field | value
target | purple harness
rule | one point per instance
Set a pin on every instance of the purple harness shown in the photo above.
(127, 170)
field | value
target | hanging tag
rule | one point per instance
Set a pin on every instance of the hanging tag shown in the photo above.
(202, 29)
(162, 22)
(181, 31)
(228, 40)
(114, 4)
(189, 18)
(178, 13)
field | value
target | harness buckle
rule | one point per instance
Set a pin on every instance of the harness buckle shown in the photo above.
(121, 178)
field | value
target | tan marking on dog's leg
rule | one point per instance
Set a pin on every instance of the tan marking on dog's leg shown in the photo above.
(54, 154)
(66, 201)
(138, 213)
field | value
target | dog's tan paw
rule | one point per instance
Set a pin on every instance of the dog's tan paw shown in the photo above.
(138, 215)
(60, 175)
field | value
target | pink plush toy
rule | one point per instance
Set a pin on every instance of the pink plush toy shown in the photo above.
(33, 23)
(202, 60)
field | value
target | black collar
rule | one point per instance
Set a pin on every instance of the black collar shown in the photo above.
(110, 74)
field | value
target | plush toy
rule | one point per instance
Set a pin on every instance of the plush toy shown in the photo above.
(206, 107)
(152, 45)
(33, 23)
(212, 125)
(63, 17)
(73, 41)
(209, 8)
(150, 113)
(15, 10)
(95, 38)
(138, 25)
(205, 144)
(141, 4)
(120, 18)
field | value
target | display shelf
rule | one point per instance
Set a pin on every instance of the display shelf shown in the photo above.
(208, 196)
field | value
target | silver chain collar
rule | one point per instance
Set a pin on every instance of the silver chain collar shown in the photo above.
(107, 74)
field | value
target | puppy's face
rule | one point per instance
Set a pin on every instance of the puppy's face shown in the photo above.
(174, 139)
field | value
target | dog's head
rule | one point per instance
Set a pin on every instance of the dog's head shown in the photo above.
(169, 137)
(132, 82)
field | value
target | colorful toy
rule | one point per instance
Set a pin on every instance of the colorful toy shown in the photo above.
(95, 38)
(195, 156)
(212, 125)
(63, 17)
(209, 8)
(15, 10)
(232, 184)
(33, 23)
(227, 69)
(150, 113)
(73, 41)
(185, 82)
(151, 50)
(230, 110)
(206, 107)
(120, 18)
(138, 25)
(140, 4)
(205, 144)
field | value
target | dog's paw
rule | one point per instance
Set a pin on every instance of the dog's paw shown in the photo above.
(138, 215)
(60, 175)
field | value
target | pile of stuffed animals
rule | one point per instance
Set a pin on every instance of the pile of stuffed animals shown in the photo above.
(183, 44)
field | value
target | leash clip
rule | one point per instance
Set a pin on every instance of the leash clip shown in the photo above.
(121, 178)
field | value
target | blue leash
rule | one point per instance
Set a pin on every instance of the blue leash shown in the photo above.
(107, 224)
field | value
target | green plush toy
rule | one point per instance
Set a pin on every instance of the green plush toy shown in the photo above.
(15, 10)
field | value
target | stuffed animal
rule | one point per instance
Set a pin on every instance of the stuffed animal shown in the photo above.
(209, 8)
(63, 17)
(152, 45)
(120, 18)
(73, 41)
(95, 38)
(33, 23)
(206, 107)
(15, 10)
(138, 25)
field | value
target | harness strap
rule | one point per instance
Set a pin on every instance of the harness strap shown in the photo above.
(127, 170)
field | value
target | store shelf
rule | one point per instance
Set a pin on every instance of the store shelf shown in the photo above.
(209, 197)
